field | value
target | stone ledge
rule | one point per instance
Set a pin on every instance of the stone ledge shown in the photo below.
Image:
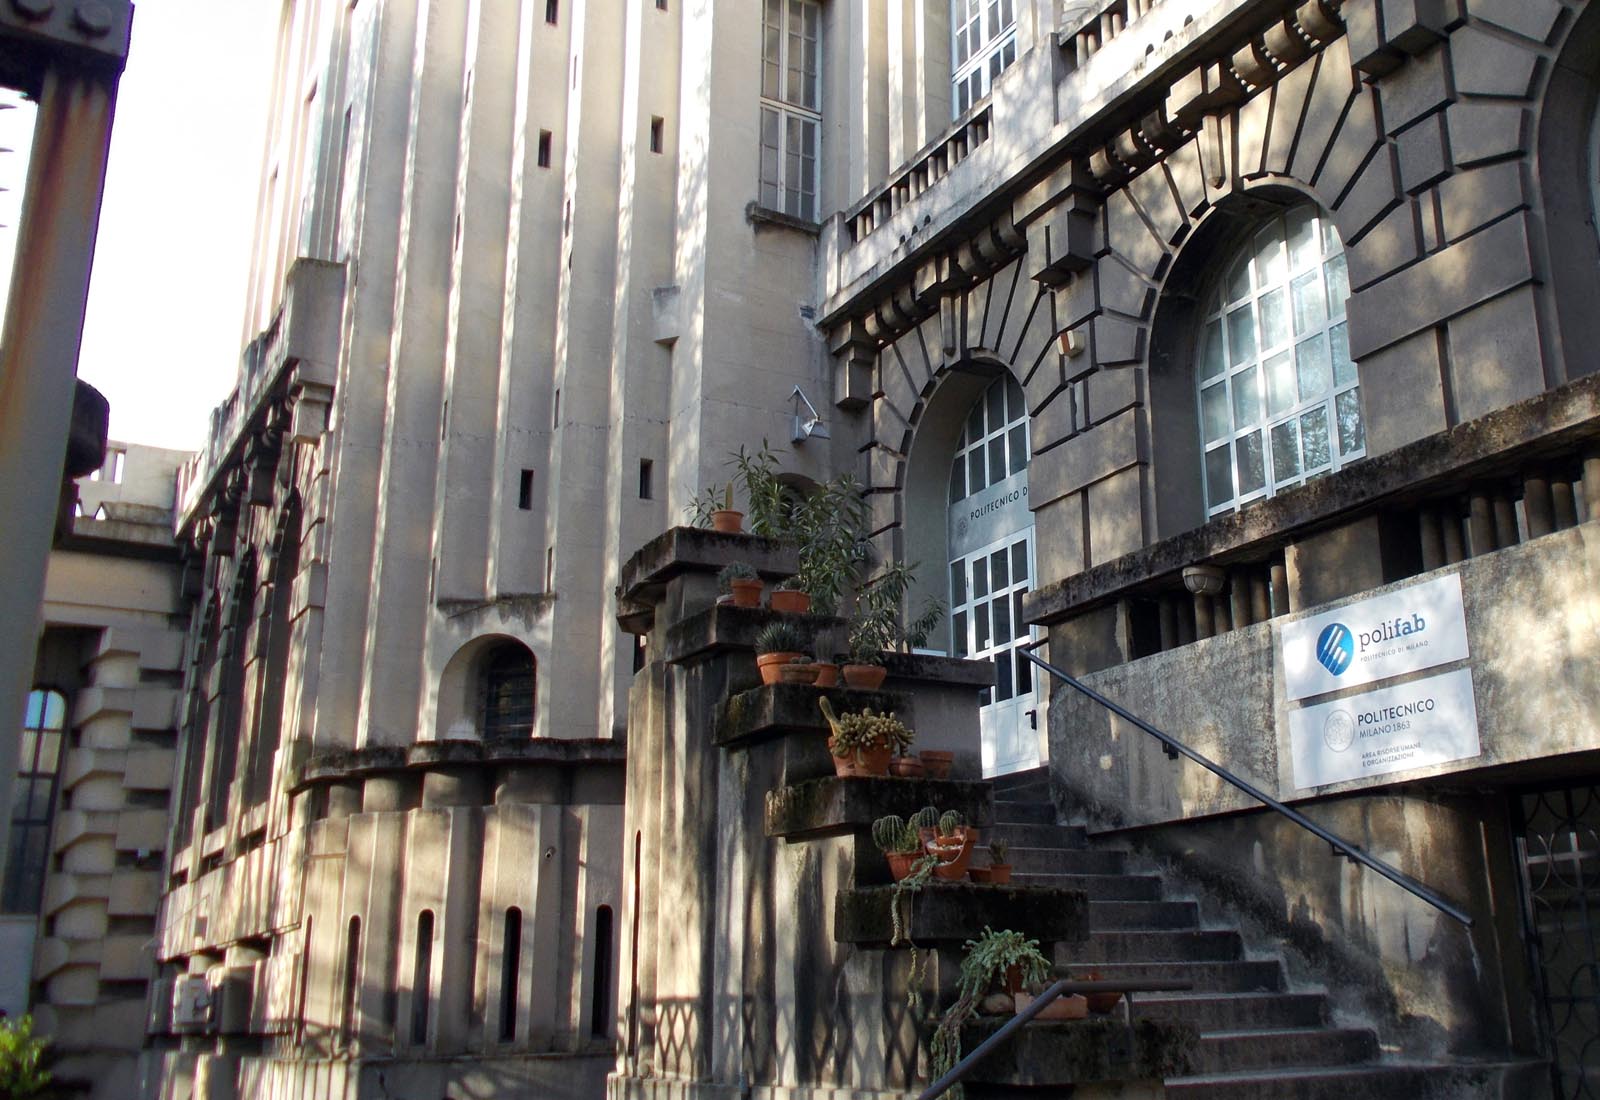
(1556, 420)
(952, 913)
(685, 549)
(778, 709)
(832, 806)
(1102, 1048)
(725, 627)
(348, 764)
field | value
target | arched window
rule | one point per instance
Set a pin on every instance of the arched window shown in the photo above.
(33, 801)
(983, 44)
(1279, 400)
(509, 688)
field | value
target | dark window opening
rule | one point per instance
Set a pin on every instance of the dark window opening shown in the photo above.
(544, 148)
(661, 5)
(550, 569)
(638, 652)
(510, 970)
(421, 978)
(555, 415)
(658, 128)
(552, 11)
(305, 982)
(525, 490)
(508, 692)
(600, 1010)
(646, 478)
(352, 960)
(33, 801)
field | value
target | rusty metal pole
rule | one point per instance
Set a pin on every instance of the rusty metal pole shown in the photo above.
(69, 58)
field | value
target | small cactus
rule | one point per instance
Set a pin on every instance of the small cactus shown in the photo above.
(998, 851)
(950, 821)
(925, 818)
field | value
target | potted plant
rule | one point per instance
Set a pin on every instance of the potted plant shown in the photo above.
(905, 767)
(951, 843)
(876, 627)
(897, 839)
(999, 868)
(757, 472)
(726, 520)
(989, 960)
(862, 742)
(777, 645)
(740, 580)
(799, 670)
(828, 526)
(937, 762)
(788, 595)
(1100, 1003)
(827, 674)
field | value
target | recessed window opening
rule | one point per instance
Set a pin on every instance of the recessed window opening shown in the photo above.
(525, 490)
(456, 244)
(552, 11)
(983, 44)
(600, 1007)
(305, 982)
(467, 95)
(791, 105)
(1278, 395)
(639, 644)
(33, 800)
(422, 978)
(509, 688)
(510, 970)
(352, 960)
(549, 569)
(658, 128)
(646, 479)
(661, 5)
(555, 414)
(117, 459)
(544, 148)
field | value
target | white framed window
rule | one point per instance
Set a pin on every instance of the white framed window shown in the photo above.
(791, 105)
(1278, 398)
(983, 44)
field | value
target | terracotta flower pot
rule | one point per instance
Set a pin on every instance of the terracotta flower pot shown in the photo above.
(747, 593)
(726, 521)
(798, 674)
(999, 873)
(789, 599)
(1102, 1003)
(827, 674)
(906, 767)
(900, 863)
(937, 762)
(954, 852)
(978, 874)
(865, 677)
(1070, 1006)
(771, 665)
(863, 763)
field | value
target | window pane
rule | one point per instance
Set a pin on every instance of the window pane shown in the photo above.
(1214, 412)
(975, 476)
(1002, 621)
(1282, 389)
(980, 619)
(55, 711)
(1024, 675)
(1303, 245)
(1239, 279)
(998, 572)
(958, 632)
(1015, 406)
(1211, 357)
(1314, 438)
(1241, 335)
(996, 400)
(980, 579)
(997, 458)
(1285, 452)
(33, 713)
(1246, 397)
(25, 759)
(1271, 260)
(1019, 449)
(1312, 366)
(1019, 562)
(1018, 623)
(958, 480)
(958, 582)
(1274, 319)
(1310, 306)
(1252, 467)
(49, 751)
(1347, 407)
(1002, 676)
(975, 430)
(1344, 371)
(1338, 285)
(1219, 475)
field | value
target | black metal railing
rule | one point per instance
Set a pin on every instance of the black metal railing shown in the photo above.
(1061, 988)
(1175, 748)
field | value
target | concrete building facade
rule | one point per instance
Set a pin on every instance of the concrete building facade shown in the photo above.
(1151, 329)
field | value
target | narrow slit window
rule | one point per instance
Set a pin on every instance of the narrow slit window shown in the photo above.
(352, 960)
(646, 479)
(555, 411)
(544, 148)
(510, 969)
(552, 11)
(658, 127)
(525, 490)
(422, 978)
(549, 569)
(600, 1012)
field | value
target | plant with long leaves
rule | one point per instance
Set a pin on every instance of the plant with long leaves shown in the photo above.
(987, 960)
(876, 627)
(22, 1059)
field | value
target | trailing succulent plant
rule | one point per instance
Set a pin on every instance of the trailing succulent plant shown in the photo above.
(735, 571)
(861, 731)
(780, 637)
(987, 960)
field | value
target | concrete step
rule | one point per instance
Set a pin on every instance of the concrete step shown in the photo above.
(1034, 835)
(1241, 976)
(1032, 777)
(1373, 1081)
(1235, 1011)
(1147, 915)
(1297, 1048)
(1194, 945)
(1031, 811)
(1067, 861)
(1100, 887)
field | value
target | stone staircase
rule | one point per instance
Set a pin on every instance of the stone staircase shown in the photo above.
(1258, 1040)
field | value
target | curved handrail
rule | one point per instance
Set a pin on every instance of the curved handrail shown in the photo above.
(1174, 748)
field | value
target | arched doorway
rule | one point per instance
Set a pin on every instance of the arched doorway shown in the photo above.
(989, 540)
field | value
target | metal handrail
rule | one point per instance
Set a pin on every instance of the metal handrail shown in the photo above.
(1043, 1001)
(1174, 748)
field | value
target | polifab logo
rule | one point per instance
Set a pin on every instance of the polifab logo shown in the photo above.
(1336, 648)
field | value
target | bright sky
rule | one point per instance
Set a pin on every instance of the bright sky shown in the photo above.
(162, 336)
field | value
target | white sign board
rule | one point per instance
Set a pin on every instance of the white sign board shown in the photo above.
(997, 512)
(1425, 722)
(1414, 628)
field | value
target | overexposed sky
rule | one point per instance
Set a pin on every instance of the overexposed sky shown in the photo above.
(162, 336)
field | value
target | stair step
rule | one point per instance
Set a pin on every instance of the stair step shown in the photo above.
(1034, 835)
(1067, 861)
(1285, 1048)
(1099, 887)
(1241, 976)
(1041, 774)
(1374, 1081)
(1143, 915)
(1212, 1012)
(1007, 811)
(1194, 945)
